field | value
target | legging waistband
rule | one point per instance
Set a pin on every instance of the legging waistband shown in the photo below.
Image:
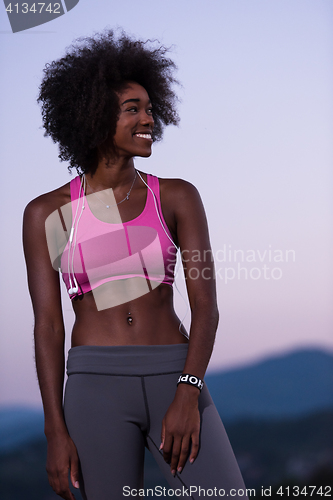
(137, 360)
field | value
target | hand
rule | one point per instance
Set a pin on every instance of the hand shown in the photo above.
(181, 428)
(62, 456)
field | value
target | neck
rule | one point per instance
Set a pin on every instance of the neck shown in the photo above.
(112, 174)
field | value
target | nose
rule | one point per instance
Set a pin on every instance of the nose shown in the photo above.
(147, 120)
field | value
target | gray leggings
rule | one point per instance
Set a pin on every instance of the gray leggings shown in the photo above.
(115, 400)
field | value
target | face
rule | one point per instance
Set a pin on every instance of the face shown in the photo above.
(135, 124)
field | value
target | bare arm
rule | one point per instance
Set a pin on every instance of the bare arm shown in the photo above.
(198, 266)
(181, 425)
(49, 336)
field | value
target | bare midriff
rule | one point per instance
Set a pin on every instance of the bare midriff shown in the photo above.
(147, 320)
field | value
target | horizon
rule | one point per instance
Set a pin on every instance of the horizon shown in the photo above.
(37, 406)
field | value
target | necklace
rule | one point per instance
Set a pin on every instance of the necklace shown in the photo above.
(115, 204)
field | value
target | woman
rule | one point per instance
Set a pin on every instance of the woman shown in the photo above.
(113, 233)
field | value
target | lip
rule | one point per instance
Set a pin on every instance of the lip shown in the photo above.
(146, 135)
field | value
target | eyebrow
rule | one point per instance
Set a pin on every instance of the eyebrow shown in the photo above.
(133, 100)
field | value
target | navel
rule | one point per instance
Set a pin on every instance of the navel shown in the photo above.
(129, 318)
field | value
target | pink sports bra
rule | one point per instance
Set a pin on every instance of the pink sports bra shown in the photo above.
(101, 252)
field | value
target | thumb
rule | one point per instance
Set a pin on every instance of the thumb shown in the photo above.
(75, 473)
(162, 435)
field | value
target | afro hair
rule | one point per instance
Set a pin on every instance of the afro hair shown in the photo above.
(79, 100)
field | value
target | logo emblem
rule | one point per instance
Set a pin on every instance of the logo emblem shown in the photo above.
(24, 15)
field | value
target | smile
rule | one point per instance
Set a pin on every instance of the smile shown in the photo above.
(144, 136)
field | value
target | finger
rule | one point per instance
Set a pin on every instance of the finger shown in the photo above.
(185, 449)
(167, 448)
(63, 486)
(177, 443)
(162, 435)
(194, 447)
(75, 472)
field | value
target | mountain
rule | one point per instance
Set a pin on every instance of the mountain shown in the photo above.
(271, 454)
(292, 385)
(278, 415)
(270, 451)
(19, 425)
(285, 386)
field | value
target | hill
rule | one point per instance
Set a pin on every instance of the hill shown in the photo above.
(285, 386)
(292, 385)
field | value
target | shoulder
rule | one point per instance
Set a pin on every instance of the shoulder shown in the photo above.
(178, 188)
(177, 185)
(44, 205)
(179, 193)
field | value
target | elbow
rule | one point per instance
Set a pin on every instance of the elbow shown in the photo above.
(216, 315)
(49, 330)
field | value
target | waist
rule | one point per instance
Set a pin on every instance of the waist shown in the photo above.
(153, 321)
(137, 360)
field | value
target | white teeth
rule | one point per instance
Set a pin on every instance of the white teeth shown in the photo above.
(144, 136)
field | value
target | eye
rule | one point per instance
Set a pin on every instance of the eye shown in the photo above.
(133, 108)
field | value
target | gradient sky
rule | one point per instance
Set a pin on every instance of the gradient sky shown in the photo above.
(255, 138)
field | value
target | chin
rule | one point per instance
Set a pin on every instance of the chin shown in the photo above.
(145, 155)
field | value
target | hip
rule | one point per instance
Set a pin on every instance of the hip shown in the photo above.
(127, 360)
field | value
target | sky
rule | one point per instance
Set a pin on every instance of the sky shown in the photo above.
(255, 138)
